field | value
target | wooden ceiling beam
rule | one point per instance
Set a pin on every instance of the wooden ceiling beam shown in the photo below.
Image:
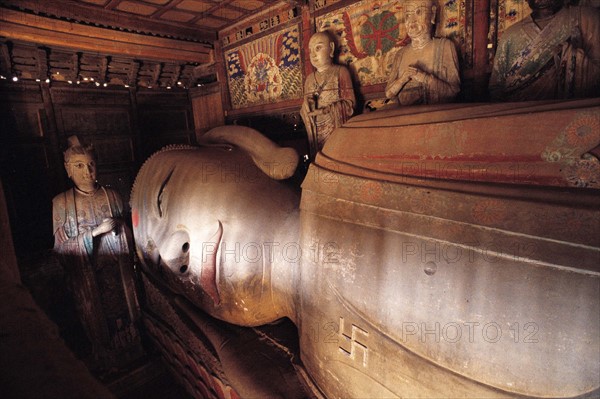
(36, 29)
(107, 17)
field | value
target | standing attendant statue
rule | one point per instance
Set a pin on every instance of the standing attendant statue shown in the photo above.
(554, 53)
(94, 247)
(426, 70)
(328, 94)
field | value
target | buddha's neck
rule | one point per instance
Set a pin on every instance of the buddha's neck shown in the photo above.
(542, 21)
(324, 68)
(87, 190)
(542, 16)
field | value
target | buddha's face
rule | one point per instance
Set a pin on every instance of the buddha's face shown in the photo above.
(81, 168)
(418, 15)
(321, 51)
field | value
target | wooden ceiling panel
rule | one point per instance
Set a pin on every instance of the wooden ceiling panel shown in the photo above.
(212, 23)
(195, 5)
(179, 19)
(178, 16)
(136, 8)
(228, 13)
(109, 17)
(249, 5)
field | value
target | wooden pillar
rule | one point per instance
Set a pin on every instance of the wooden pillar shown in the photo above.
(481, 22)
(221, 70)
(207, 108)
(135, 126)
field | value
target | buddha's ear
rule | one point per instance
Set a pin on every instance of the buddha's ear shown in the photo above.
(433, 11)
(331, 49)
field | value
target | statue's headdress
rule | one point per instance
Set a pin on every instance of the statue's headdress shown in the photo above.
(75, 147)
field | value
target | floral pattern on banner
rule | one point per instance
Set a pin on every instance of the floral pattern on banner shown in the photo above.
(371, 32)
(580, 136)
(266, 70)
(511, 12)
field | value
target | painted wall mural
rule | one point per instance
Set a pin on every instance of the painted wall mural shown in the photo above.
(371, 32)
(266, 70)
(511, 12)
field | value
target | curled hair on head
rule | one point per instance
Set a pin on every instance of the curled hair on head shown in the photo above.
(76, 148)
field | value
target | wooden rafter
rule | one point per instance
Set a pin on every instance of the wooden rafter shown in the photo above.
(42, 63)
(133, 73)
(75, 59)
(103, 69)
(156, 74)
(6, 64)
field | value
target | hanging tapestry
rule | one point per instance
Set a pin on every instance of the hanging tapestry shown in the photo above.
(511, 12)
(266, 70)
(370, 32)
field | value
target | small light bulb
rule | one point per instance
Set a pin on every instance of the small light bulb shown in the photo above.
(126, 85)
(86, 79)
(15, 79)
(70, 82)
(38, 80)
(48, 80)
(105, 84)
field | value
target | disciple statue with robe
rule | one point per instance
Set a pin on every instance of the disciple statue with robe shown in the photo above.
(551, 54)
(94, 247)
(426, 70)
(328, 94)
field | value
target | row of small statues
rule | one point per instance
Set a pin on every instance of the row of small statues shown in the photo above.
(552, 54)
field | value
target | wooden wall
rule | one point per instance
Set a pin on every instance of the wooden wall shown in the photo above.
(125, 125)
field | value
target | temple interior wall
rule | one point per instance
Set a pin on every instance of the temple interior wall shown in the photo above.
(129, 122)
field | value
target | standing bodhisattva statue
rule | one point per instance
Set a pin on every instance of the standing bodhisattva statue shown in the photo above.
(551, 54)
(328, 94)
(94, 247)
(426, 70)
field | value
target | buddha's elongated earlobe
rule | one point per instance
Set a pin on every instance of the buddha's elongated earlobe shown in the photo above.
(332, 47)
(433, 11)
